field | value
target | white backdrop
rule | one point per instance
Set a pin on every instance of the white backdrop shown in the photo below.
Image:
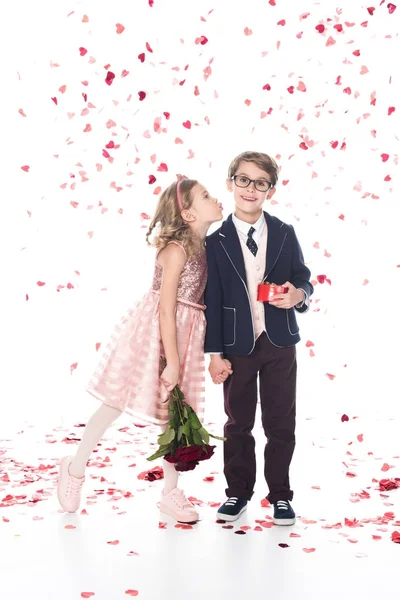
(195, 83)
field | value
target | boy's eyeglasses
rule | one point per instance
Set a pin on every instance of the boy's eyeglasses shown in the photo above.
(262, 185)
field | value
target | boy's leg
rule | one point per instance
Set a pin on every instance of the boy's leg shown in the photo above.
(240, 393)
(278, 406)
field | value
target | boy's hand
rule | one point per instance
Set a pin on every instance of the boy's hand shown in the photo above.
(288, 300)
(219, 368)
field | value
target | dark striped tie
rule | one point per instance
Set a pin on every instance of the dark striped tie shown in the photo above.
(252, 246)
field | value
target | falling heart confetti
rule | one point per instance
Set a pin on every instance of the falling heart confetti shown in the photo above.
(134, 157)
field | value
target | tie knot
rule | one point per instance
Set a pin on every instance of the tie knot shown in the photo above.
(251, 231)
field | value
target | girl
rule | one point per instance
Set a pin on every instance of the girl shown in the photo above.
(128, 378)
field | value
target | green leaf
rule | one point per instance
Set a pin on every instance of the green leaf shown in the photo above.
(194, 421)
(205, 435)
(215, 437)
(180, 433)
(198, 440)
(166, 437)
(162, 451)
(179, 393)
(186, 428)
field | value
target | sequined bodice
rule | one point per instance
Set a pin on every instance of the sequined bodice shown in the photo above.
(192, 281)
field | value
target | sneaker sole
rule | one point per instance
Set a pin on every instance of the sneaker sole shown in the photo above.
(190, 521)
(230, 518)
(284, 521)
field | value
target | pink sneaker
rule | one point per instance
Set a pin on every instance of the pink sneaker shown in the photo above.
(176, 505)
(69, 487)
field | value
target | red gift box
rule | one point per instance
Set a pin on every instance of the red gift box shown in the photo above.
(267, 291)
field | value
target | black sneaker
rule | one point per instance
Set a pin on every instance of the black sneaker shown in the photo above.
(283, 513)
(231, 509)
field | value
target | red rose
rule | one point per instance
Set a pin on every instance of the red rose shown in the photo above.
(188, 453)
(207, 452)
(186, 466)
(169, 458)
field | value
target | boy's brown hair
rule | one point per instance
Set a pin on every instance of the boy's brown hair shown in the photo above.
(265, 162)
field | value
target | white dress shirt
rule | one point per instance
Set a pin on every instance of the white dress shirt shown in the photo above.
(243, 228)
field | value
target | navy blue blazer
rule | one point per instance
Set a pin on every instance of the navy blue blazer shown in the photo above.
(230, 328)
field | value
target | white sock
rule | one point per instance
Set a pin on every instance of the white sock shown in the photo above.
(171, 476)
(94, 431)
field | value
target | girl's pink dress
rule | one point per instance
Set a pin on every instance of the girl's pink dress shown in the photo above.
(128, 376)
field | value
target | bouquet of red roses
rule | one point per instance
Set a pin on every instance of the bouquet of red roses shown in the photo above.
(185, 441)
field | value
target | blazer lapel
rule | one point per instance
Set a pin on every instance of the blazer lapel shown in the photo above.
(276, 239)
(229, 241)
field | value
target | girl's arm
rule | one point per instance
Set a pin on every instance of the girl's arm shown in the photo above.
(172, 258)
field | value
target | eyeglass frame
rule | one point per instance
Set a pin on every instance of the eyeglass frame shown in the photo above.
(271, 185)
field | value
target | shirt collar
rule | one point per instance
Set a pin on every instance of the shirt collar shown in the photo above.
(244, 227)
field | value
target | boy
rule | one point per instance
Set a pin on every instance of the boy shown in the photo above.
(255, 339)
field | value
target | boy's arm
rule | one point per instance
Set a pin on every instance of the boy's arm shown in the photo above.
(300, 274)
(214, 340)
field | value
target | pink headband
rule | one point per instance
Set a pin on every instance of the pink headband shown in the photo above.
(178, 195)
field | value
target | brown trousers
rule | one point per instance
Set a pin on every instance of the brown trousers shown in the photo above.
(276, 369)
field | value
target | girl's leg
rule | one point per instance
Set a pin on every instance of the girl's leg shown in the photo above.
(173, 501)
(171, 476)
(72, 469)
(98, 423)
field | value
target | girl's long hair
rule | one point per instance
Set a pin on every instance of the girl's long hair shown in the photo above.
(171, 225)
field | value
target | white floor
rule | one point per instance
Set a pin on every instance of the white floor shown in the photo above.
(45, 554)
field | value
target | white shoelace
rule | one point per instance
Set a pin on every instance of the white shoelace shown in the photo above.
(282, 505)
(231, 501)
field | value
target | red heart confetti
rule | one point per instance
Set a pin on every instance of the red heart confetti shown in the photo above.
(396, 537)
(110, 77)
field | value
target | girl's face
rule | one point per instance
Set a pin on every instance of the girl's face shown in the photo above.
(205, 208)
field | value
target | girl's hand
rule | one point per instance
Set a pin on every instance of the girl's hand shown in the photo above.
(222, 377)
(220, 368)
(170, 376)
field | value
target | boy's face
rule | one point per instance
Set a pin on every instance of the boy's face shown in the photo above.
(249, 200)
